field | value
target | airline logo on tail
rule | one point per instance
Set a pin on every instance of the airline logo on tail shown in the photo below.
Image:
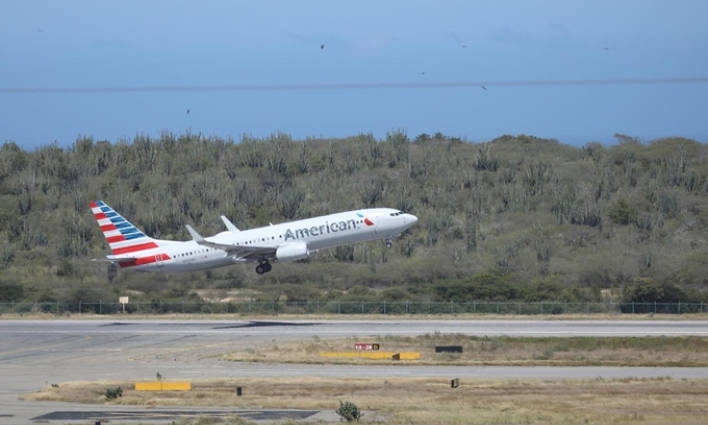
(121, 235)
(127, 242)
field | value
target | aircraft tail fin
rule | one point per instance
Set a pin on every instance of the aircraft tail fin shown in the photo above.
(122, 236)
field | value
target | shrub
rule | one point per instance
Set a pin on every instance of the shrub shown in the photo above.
(348, 411)
(623, 213)
(112, 393)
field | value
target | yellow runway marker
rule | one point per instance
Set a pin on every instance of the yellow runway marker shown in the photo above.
(163, 386)
(375, 355)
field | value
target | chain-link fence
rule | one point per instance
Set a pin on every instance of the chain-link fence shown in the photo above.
(350, 307)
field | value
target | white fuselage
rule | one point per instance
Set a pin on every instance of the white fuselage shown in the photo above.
(317, 232)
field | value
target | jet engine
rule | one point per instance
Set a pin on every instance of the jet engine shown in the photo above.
(293, 251)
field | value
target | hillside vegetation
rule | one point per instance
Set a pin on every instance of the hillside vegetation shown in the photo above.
(519, 217)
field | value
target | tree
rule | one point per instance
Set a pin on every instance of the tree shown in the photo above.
(11, 292)
(622, 213)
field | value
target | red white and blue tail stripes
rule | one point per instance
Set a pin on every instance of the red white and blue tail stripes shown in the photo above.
(122, 236)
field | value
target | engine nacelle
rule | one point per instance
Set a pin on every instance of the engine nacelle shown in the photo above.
(293, 252)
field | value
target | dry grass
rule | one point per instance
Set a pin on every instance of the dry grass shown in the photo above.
(500, 351)
(315, 317)
(432, 401)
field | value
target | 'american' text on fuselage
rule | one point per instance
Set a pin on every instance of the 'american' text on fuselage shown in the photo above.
(321, 229)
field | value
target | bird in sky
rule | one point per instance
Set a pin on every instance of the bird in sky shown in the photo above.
(322, 46)
(187, 111)
(484, 87)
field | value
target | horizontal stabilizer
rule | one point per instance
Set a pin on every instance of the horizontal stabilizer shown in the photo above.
(116, 259)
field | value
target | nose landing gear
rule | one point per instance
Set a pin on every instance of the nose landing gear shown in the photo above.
(389, 243)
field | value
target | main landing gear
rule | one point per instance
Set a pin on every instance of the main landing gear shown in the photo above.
(389, 244)
(264, 267)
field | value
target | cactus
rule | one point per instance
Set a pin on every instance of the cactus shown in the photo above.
(348, 411)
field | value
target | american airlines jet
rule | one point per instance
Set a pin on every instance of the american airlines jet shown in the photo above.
(282, 242)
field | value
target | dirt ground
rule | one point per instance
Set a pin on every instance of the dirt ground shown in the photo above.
(432, 401)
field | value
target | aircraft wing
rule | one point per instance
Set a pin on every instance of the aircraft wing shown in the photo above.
(242, 251)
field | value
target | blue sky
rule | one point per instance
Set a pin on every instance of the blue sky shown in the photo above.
(88, 43)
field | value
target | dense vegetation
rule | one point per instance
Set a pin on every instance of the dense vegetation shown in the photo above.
(517, 218)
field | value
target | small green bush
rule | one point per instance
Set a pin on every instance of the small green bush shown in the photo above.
(112, 393)
(348, 411)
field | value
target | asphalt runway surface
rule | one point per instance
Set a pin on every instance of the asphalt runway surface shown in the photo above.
(34, 354)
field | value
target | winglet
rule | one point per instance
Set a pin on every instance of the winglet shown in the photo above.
(229, 225)
(196, 236)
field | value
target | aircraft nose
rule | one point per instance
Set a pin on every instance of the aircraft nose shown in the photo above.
(412, 219)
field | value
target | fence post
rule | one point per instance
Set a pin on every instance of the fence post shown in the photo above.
(13, 308)
(497, 307)
(79, 306)
(679, 307)
(632, 307)
(100, 307)
(406, 306)
(519, 307)
(57, 307)
(339, 308)
(654, 306)
(384, 306)
(474, 306)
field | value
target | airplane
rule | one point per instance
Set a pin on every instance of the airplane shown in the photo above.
(290, 241)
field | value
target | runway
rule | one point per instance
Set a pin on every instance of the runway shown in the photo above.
(34, 354)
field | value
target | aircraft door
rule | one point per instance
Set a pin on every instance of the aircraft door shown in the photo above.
(158, 260)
